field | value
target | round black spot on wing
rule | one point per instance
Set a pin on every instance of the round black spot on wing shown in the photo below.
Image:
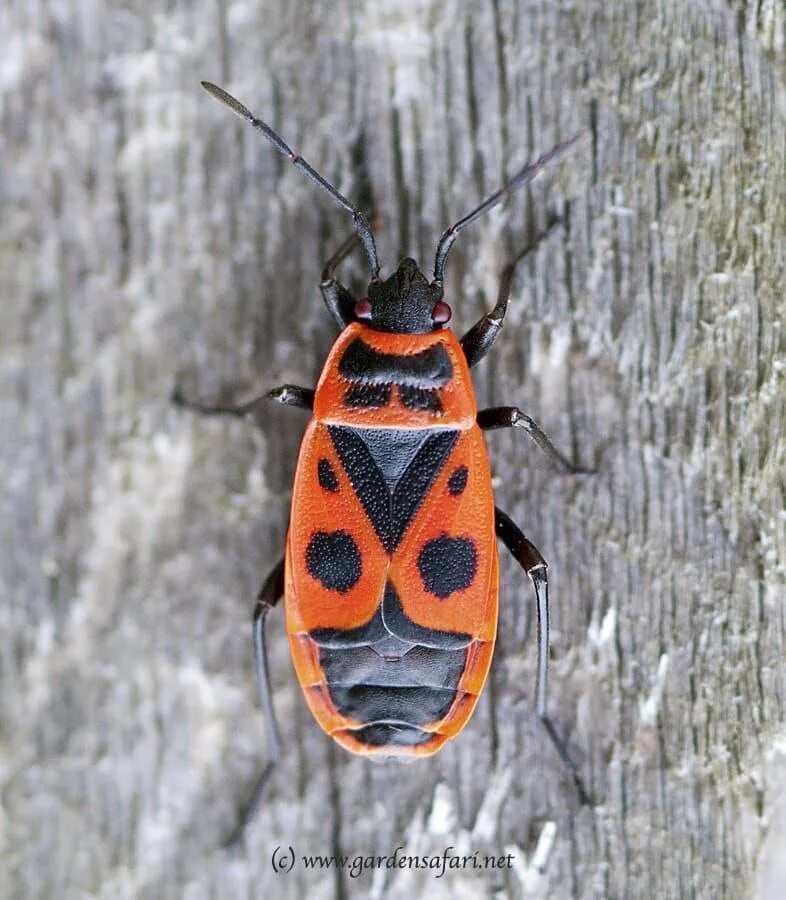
(447, 564)
(458, 480)
(333, 558)
(327, 476)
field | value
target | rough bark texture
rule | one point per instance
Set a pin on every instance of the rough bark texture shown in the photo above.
(149, 238)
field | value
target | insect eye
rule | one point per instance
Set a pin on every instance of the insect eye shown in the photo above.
(363, 309)
(441, 312)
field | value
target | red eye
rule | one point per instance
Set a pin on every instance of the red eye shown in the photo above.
(441, 312)
(363, 308)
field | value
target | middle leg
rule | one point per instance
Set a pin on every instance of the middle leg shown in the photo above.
(513, 417)
(287, 394)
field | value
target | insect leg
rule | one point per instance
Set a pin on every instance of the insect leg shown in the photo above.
(513, 417)
(477, 342)
(269, 595)
(529, 558)
(337, 298)
(287, 394)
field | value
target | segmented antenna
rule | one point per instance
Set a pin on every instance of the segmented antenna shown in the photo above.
(518, 180)
(359, 220)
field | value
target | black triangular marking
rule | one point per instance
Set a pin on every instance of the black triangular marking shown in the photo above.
(392, 449)
(391, 512)
(365, 477)
(417, 480)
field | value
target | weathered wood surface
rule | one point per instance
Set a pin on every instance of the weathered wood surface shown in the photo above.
(148, 239)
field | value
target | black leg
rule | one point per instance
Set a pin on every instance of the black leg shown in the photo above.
(287, 394)
(269, 595)
(512, 417)
(337, 298)
(477, 342)
(529, 558)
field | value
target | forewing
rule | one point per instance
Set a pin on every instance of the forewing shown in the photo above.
(336, 564)
(443, 568)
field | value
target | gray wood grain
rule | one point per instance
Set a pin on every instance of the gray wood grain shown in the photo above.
(148, 238)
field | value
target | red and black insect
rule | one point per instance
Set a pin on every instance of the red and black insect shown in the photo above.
(390, 575)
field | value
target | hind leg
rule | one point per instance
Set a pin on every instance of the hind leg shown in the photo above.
(269, 595)
(529, 558)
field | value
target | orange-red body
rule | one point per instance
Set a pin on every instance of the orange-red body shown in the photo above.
(332, 495)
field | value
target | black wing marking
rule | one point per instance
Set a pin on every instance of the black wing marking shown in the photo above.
(391, 502)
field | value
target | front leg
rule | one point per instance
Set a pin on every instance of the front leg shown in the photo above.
(513, 417)
(337, 298)
(529, 558)
(287, 394)
(477, 342)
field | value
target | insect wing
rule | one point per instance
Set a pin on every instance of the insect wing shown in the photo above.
(337, 564)
(445, 567)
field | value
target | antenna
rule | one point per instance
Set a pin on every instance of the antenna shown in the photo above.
(359, 220)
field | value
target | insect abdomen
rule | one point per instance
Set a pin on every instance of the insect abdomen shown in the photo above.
(397, 687)
(381, 694)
